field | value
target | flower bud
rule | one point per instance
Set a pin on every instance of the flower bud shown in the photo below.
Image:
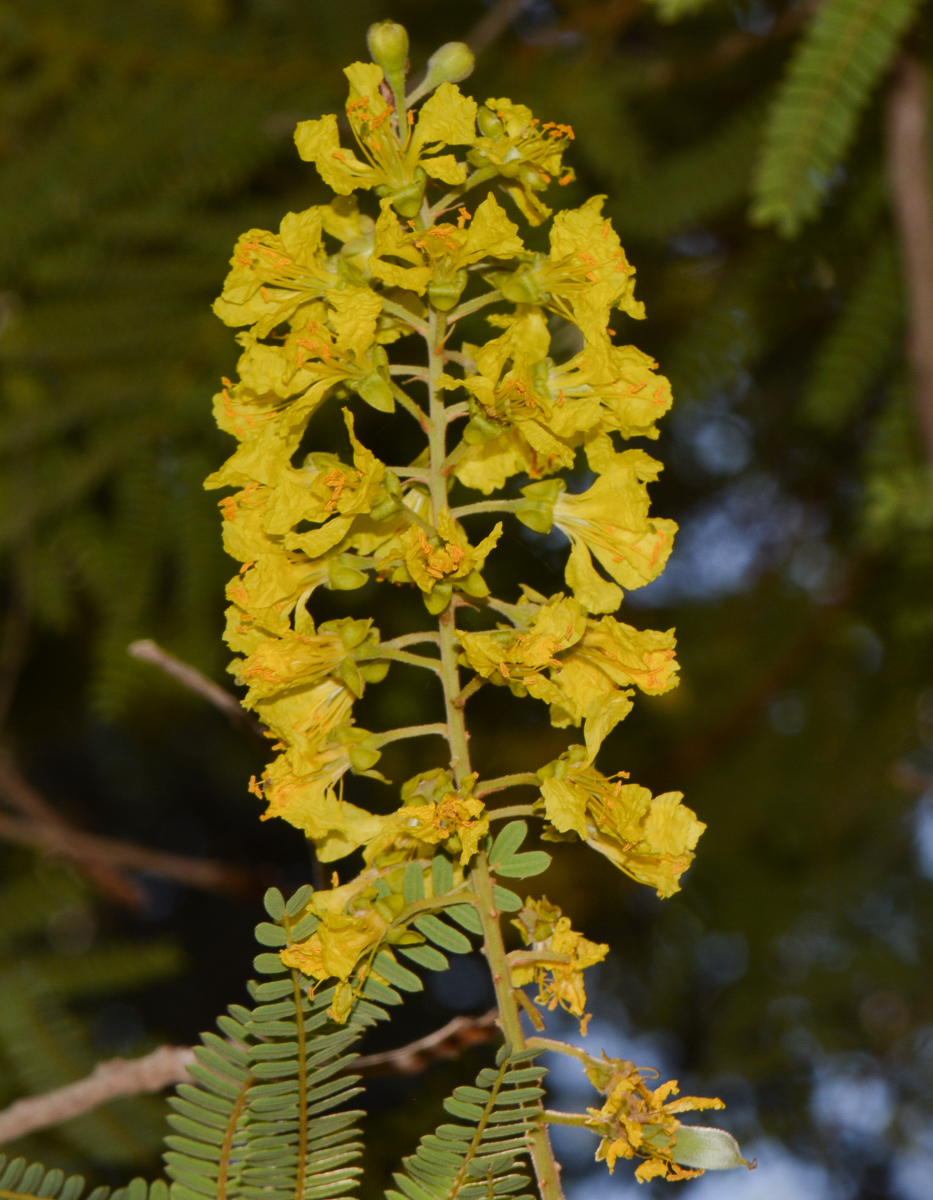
(490, 125)
(449, 64)
(388, 46)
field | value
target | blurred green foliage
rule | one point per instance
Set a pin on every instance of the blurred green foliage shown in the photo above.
(137, 142)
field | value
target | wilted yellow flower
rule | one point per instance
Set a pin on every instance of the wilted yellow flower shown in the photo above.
(396, 162)
(591, 665)
(637, 1121)
(525, 153)
(560, 979)
(416, 826)
(305, 658)
(650, 838)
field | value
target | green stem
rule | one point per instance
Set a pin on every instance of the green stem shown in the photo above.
(402, 369)
(545, 1165)
(552, 1117)
(411, 639)
(300, 1166)
(511, 810)
(397, 310)
(472, 306)
(451, 198)
(524, 779)
(413, 660)
(410, 406)
(407, 731)
(488, 506)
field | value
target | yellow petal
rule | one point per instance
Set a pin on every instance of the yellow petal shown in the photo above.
(448, 117)
(446, 168)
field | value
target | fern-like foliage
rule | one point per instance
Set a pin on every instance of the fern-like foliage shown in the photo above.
(479, 1157)
(847, 48)
(20, 1180)
(859, 345)
(259, 1122)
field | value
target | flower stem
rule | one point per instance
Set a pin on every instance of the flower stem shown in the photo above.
(472, 306)
(487, 786)
(489, 506)
(545, 1165)
(408, 731)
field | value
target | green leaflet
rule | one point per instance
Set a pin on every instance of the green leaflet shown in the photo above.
(845, 51)
(481, 1158)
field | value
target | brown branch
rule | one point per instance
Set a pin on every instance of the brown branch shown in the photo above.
(447, 1042)
(908, 152)
(108, 1081)
(169, 1065)
(146, 650)
(23, 797)
(90, 851)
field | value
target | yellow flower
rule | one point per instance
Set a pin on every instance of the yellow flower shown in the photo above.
(303, 658)
(591, 664)
(395, 162)
(416, 826)
(559, 979)
(650, 838)
(271, 275)
(585, 275)
(609, 520)
(527, 154)
(319, 746)
(638, 1121)
(435, 562)
(606, 388)
(437, 257)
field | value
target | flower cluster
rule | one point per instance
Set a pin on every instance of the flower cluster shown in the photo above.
(420, 236)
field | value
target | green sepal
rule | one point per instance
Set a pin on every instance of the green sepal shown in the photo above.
(437, 600)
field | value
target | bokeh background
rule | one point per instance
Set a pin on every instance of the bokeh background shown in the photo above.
(793, 976)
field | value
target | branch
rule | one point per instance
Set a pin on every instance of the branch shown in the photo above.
(908, 151)
(447, 1042)
(108, 1081)
(40, 816)
(146, 650)
(169, 1065)
(101, 857)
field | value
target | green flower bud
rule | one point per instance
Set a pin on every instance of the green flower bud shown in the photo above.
(343, 576)
(537, 512)
(438, 599)
(481, 429)
(376, 392)
(407, 200)
(444, 293)
(489, 124)
(388, 46)
(449, 64)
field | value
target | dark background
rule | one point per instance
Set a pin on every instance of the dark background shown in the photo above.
(792, 976)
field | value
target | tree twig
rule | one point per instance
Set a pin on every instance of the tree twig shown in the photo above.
(89, 850)
(447, 1042)
(146, 650)
(168, 1065)
(108, 1081)
(23, 797)
(908, 152)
